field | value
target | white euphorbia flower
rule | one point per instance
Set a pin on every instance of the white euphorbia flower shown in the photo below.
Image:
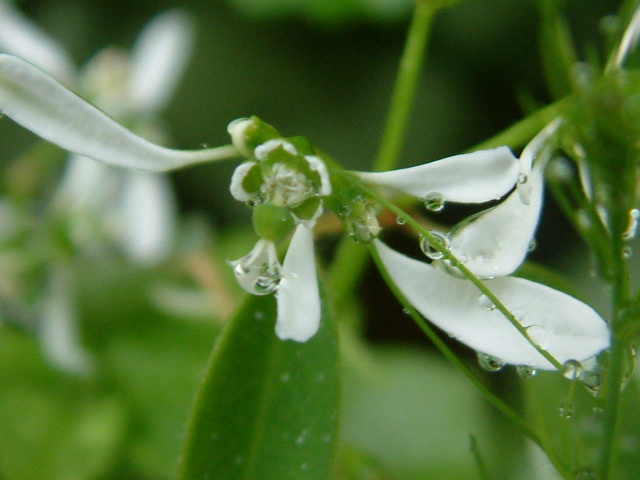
(563, 326)
(286, 188)
(133, 88)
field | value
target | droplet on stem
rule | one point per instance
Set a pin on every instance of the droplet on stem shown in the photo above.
(434, 202)
(432, 251)
(486, 303)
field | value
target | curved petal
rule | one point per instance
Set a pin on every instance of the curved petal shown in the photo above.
(495, 243)
(19, 36)
(41, 104)
(158, 60)
(298, 294)
(147, 217)
(468, 178)
(562, 325)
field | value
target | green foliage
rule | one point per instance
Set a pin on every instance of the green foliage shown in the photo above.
(267, 408)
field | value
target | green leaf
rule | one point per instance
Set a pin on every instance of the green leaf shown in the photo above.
(267, 408)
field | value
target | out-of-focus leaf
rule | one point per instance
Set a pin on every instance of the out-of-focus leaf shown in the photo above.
(414, 414)
(267, 408)
(52, 426)
(557, 50)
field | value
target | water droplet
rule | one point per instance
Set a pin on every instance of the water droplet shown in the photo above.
(302, 438)
(429, 249)
(525, 371)
(565, 410)
(238, 460)
(634, 215)
(489, 362)
(627, 251)
(538, 335)
(434, 202)
(586, 474)
(320, 377)
(304, 466)
(583, 220)
(401, 220)
(532, 245)
(572, 369)
(285, 377)
(523, 178)
(267, 282)
(517, 314)
(486, 303)
(406, 311)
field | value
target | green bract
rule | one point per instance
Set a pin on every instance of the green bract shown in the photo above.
(272, 222)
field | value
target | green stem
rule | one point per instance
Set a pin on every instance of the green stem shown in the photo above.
(350, 257)
(411, 65)
(616, 367)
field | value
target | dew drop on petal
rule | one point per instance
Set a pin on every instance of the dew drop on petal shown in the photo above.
(532, 245)
(538, 335)
(267, 283)
(525, 371)
(486, 303)
(572, 369)
(429, 249)
(434, 202)
(517, 314)
(489, 362)
(523, 178)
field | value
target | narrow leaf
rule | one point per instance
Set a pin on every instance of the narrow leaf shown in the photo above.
(267, 408)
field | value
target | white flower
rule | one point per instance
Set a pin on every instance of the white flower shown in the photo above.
(495, 242)
(288, 187)
(563, 326)
(295, 283)
(137, 209)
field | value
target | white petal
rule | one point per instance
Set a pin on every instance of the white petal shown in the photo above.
(44, 106)
(317, 165)
(58, 326)
(496, 242)
(532, 153)
(298, 295)
(19, 36)
(159, 58)
(87, 186)
(468, 178)
(237, 190)
(147, 212)
(564, 326)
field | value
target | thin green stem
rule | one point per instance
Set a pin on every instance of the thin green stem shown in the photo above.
(616, 367)
(615, 371)
(404, 93)
(350, 257)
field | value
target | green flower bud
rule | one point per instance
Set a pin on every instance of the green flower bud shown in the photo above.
(248, 133)
(271, 222)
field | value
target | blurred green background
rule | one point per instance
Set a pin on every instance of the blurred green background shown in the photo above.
(325, 70)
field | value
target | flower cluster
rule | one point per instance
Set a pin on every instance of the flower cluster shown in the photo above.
(288, 184)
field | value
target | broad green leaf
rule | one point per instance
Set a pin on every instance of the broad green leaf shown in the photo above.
(267, 408)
